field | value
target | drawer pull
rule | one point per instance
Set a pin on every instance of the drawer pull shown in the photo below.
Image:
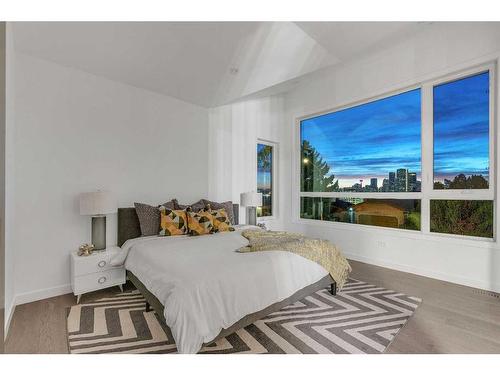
(102, 280)
(102, 263)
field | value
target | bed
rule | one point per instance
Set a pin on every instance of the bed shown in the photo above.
(202, 289)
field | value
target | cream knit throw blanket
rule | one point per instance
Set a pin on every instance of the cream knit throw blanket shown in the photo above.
(322, 252)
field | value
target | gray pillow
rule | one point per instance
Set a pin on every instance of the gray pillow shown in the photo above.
(228, 206)
(149, 217)
(195, 207)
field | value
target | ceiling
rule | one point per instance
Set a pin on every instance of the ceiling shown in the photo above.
(205, 63)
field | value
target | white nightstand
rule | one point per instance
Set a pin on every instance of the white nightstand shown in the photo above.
(93, 272)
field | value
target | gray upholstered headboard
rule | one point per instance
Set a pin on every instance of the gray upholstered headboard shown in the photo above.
(128, 223)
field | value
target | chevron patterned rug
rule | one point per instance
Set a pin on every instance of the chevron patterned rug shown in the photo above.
(363, 318)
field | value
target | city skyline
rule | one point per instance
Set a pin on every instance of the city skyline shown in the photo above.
(401, 180)
(373, 139)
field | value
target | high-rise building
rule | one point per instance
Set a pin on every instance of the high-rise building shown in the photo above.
(392, 181)
(374, 184)
(402, 179)
(385, 185)
(412, 181)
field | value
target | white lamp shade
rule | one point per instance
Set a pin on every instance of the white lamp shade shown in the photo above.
(97, 203)
(251, 199)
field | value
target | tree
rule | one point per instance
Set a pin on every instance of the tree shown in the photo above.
(264, 170)
(438, 185)
(466, 217)
(314, 171)
(477, 182)
(472, 218)
(462, 182)
(459, 182)
(264, 158)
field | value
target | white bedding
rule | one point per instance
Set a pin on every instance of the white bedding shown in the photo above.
(205, 285)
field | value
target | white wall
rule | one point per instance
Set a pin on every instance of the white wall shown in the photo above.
(9, 183)
(76, 132)
(430, 53)
(234, 131)
(3, 46)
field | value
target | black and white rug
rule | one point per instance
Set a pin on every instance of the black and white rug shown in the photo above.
(362, 318)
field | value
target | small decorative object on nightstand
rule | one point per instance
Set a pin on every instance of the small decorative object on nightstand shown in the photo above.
(94, 272)
(251, 200)
(85, 250)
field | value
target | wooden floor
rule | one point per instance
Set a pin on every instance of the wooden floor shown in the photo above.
(451, 319)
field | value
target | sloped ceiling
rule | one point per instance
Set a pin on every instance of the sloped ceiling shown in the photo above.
(205, 63)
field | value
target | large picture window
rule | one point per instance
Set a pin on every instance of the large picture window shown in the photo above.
(363, 164)
(372, 147)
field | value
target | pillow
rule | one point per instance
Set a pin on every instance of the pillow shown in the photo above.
(195, 207)
(228, 206)
(172, 222)
(200, 223)
(149, 217)
(221, 221)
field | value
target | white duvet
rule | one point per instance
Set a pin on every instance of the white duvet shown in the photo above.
(205, 285)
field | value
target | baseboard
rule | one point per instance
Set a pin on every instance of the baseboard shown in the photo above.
(479, 284)
(39, 294)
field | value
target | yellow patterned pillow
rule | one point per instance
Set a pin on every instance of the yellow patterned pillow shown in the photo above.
(172, 222)
(222, 223)
(200, 223)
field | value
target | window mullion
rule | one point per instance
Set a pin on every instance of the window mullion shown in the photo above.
(340, 194)
(427, 156)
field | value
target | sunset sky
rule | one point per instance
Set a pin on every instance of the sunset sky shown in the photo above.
(376, 138)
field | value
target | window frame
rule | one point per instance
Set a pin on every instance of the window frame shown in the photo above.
(427, 192)
(487, 194)
(274, 178)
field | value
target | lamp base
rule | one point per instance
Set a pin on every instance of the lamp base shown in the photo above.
(99, 232)
(251, 216)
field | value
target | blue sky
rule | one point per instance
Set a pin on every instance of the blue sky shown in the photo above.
(369, 140)
(461, 127)
(376, 138)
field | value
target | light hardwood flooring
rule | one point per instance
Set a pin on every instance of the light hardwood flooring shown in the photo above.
(451, 319)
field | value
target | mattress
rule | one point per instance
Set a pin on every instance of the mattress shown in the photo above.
(207, 286)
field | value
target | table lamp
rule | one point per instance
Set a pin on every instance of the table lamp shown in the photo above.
(97, 204)
(251, 200)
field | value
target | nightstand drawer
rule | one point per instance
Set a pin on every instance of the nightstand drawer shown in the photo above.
(99, 280)
(96, 262)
